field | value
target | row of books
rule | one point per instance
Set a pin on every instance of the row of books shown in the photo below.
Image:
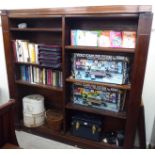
(24, 51)
(110, 38)
(101, 68)
(45, 55)
(44, 76)
(98, 97)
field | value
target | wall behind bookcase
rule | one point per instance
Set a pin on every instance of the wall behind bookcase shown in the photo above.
(149, 84)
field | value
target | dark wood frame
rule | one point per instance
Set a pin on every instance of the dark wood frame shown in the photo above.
(143, 15)
(7, 128)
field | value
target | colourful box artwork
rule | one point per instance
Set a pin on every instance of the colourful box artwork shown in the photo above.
(100, 68)
(98, 97)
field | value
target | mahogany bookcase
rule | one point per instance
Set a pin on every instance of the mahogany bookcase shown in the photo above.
(53, 26)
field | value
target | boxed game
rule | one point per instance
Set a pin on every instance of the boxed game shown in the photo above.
(98, 97)
(100, 68)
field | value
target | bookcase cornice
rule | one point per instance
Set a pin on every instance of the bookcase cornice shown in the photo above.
(79, 10)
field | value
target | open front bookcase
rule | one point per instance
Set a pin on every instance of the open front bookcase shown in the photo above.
(53, 27)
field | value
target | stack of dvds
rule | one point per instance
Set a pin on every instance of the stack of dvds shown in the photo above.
(50, 56)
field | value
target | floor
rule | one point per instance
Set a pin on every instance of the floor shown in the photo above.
(29, 141)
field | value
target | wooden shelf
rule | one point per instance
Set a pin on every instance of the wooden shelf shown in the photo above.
(37, 65)
(37, 29)
(102, 112)
(27, 63)
(68, 138)
(124, 86)
(107, 49)
(21, 82)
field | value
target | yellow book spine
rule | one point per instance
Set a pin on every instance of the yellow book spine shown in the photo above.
(32, 53)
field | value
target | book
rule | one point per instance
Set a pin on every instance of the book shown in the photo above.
(98, 97)
(129, 39)
(25, 50)
(116, 39)
(20, 53)
(36, 53)
(101, 68)
(32, 52)
(84, 38)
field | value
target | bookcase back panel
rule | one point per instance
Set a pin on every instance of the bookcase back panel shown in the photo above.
(100, 24)
(41, 37)
(51, 97)
(37, 22)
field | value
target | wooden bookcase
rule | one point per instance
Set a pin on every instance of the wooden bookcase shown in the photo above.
(53, 26)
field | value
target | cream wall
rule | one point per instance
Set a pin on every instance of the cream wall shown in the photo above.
(149, 84)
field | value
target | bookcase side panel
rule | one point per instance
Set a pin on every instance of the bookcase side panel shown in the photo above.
(137, 77)
(8, 55)
(10, 64)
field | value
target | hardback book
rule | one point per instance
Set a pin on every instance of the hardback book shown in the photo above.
(98, 97)
(100, 68)
(129, 39)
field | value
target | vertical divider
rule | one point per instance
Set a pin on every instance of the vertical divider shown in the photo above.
(63, 72)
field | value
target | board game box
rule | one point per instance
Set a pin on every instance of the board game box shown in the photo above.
(98, 97)
(100, 68)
